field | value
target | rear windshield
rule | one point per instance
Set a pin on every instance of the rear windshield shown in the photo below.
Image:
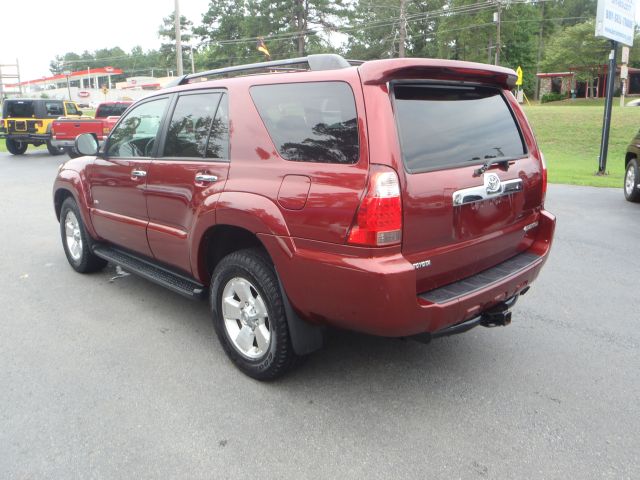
(310, 122)
(18, 109)
(443, 126)
(113, 110)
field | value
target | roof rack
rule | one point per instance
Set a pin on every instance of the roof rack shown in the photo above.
(323, 61)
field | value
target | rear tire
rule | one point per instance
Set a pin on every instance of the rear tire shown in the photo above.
(632, 181)
(249, 316)
(54, 150)
(16, 147)
(75, 240)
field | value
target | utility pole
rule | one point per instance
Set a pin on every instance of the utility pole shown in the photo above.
(403, 28)
(540, 46)
(66, 74)
(178, 40)
(193, 66)
(496, 19)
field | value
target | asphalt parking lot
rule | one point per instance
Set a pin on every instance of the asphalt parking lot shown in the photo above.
(122, 379)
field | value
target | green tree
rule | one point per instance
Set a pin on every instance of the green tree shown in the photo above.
(576, 48)
(230, 29)
(167, 31)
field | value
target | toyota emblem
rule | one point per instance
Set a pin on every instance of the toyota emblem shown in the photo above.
(492, 183)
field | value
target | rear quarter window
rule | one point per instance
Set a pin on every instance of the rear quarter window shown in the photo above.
(310, 122)
(444, 126)
(54, 109)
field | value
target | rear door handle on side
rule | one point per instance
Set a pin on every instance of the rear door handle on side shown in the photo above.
(203, 177)
(138, 173)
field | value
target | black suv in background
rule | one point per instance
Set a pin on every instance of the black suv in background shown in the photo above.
(632, 171)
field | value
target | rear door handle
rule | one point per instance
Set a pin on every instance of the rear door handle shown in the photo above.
(203, 177)
(138, 173)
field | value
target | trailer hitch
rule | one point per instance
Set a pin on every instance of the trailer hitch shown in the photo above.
(500, 315)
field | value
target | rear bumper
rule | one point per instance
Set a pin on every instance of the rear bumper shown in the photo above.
(66, 143)
(26, 137)
(378, 295)
(62, 143)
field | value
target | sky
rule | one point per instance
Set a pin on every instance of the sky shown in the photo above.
(35, 31)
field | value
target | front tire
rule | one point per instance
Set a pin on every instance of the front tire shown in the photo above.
(71, 151)
(249, 316)
(16, 147)
(632, 181)
(75, 240)
(54, 150)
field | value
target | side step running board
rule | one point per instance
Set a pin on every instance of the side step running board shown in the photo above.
(151, 271)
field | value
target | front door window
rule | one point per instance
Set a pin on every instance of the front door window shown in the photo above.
(135, 135)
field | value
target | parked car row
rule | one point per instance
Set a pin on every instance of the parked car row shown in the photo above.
(28, 122)
(55, 123)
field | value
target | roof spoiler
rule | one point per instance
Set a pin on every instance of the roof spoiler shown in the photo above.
(382, 71)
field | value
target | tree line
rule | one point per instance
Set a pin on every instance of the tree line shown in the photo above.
(540, 35)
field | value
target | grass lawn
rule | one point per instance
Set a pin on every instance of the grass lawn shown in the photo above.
(570, 141)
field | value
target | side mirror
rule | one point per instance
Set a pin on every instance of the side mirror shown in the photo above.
(86, 144)
(80, 113)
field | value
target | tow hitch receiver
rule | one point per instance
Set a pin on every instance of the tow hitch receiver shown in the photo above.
(497, 316)
(500, 315)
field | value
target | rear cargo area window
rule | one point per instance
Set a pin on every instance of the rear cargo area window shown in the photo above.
(442, 126)
(310, 122)
(111, 110)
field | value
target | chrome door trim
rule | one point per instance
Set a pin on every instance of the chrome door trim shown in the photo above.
(203, 177)
(487, 190)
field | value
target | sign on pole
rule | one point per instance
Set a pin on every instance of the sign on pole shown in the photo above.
(519, 72)
(615, 20)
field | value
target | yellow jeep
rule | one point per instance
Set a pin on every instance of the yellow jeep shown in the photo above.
(28, 121)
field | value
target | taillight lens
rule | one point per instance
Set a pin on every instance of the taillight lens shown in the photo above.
(106, 130)
(379, 219)
(544, 178)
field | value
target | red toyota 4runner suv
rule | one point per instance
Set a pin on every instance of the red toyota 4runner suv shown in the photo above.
(402, 198)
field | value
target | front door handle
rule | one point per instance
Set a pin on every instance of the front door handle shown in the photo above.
(138, 173)
(203, 177)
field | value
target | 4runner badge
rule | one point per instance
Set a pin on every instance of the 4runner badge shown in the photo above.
(492, 183)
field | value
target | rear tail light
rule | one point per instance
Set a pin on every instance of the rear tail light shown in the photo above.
(544, 178)
(379, 219)
(106, 130)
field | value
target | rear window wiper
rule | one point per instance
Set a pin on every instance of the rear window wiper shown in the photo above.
(503, 163)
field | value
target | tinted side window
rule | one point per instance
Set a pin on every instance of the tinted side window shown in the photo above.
(135, 135)
(71, 108)
(442, 126)
(310, 122)
(190, 125)
(218, 146)
(54, 108)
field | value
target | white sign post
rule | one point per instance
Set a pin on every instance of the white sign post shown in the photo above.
(615, 20)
